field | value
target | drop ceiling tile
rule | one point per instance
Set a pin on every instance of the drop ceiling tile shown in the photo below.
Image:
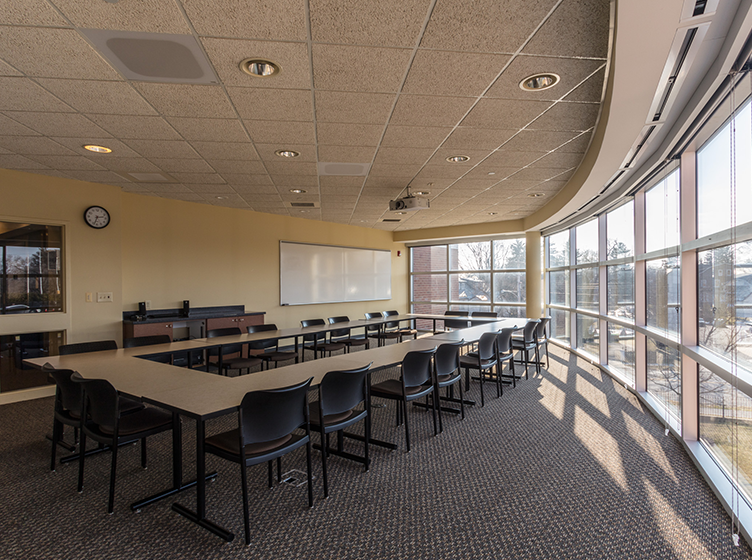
(125, 164)
(182, 100)
(76, 144)
(414, 136)
(504, 113)
(292, 58)
(132, 188)
(247, 180)
(208, 130)
(346, 154)
(9, 127)
(163, 189)
(30, 12)
(562, 160)
(364, 69)
(572, 71)
(576, 28)
(283, 20)
(336, 134)
(271, 132)
(538, 140)
(511, 186)
(260, 198)
(415, 156)
(291, 168)
(96, 176)
(228, 201)
(12, 161)
(7, 70)
(376, 182)
(162, 148)
(274, 104)
(465, 138)
(476, 156)
(226, 150)
(210, 188)
(184, 196)
(393, 170)
(338, 199)
(340, 191)
(57, 124)
(237, 166)
(133, 126)
(591, 91)
(344, 107)
(453, 26)
(537, 174)
(292, 181)
(578, 145)
(433, 172)
(453, 73)
(509, 158)
(340, 182)
(287, 196)
(425, 110)
(254, 189)
(53, 53)
(568, 116)
(266, 152)
(201, 178)
(152, 16)
(29, 145)
(188, 165)
(67, 162)
(87, 96)
(21, 94)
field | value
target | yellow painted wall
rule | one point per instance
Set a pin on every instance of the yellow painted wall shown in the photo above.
(210, 255)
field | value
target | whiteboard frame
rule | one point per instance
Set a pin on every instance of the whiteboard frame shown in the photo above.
(371, 250)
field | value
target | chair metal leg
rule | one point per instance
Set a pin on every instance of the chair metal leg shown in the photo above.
(57, 428)
(407, 428)
(435, 399)
(324, 447)
(143, 453)
(310, 478)
(441, 423)
(271, 473)
(246, 513)
(462, 400)
(279, 470)
(367, 438)
(113, 470)
(81, 455)
(482, 396)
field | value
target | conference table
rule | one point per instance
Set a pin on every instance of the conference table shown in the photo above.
(203, 396)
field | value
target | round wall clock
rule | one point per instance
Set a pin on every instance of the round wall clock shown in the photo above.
(97, 217)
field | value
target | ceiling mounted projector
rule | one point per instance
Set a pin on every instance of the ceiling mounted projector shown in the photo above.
(409, 203)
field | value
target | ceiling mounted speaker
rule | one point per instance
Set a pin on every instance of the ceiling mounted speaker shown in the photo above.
(154, 57)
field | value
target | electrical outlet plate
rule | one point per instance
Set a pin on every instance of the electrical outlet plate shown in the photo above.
(89, 297)
(104, 297)
(148, 304)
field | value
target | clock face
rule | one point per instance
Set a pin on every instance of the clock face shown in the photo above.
(97, 217)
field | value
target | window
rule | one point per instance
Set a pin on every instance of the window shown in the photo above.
(559, 287)
(558, 249)
(663, 287)
(620, 288)
(560, 325)
(664, 375)
(31, 279)
(587, 242)
(662, 214)
(621, 351)
(620, 232)
(14, 349)
(587, 288)
(588, 337)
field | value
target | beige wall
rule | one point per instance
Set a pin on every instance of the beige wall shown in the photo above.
(211, 255)
(166, 251)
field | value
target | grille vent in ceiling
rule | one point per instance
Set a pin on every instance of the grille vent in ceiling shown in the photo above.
(390, 220)
(680, 59)
(303, 204)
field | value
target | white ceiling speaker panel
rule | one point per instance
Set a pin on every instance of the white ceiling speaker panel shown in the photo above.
(153, 57)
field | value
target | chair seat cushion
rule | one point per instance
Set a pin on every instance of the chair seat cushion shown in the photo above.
(519, 344)
(126, 405)
(472, 361)
(330, 419)
(142, 421)
(241, 363)
(393, 388)
(327, 346)
(449, 377)
(356, 341)
(229, 442)
(278, 356)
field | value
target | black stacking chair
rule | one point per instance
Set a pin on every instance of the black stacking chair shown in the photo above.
(83, 347)
(403, 331)
(232, 354)
(139, 341)
(343, 401)
(267, 422)
(484, 360)
(416, 381)
(269, 356)
(448, 373)
(106, 424)
(344, 335)
(316, 342)
(490, 314)
(379, 332)
(504, 354)
(542, 337)
(528, 342)
(456, 323)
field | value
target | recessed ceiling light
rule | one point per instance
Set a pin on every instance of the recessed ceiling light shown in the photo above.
(302, 210)
(287, 153)
(297, 191)
(220, 197)
(260, 68)
(492, 213)
(492, 173)
(536, 195)
(97, 149)
(420, 193)
(539, 82)
(401, 212)
(457, 159)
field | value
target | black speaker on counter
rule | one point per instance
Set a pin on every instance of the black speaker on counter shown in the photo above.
(142, 308)
(186, 308)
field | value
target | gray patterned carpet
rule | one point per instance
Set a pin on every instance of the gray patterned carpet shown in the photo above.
(567, 465)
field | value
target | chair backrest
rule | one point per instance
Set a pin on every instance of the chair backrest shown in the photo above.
(83, 347)
(416, 367)
(227, 348)
(100, 402)
(262, 344)
(504, 340)
(68, 394)
(455, 323)
(313, 323)
(269, 415)
(374, 315)
(339, 333)
(542, 326)
(530, 330)
(487, 346)
(485, 314)
(391, 324)
(447, 358)
(146, 340)
(343, 390)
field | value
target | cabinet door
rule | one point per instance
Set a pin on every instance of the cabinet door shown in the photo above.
(240, 322)
(149, 329)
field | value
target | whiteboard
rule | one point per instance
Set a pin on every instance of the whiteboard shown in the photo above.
(311, 273)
